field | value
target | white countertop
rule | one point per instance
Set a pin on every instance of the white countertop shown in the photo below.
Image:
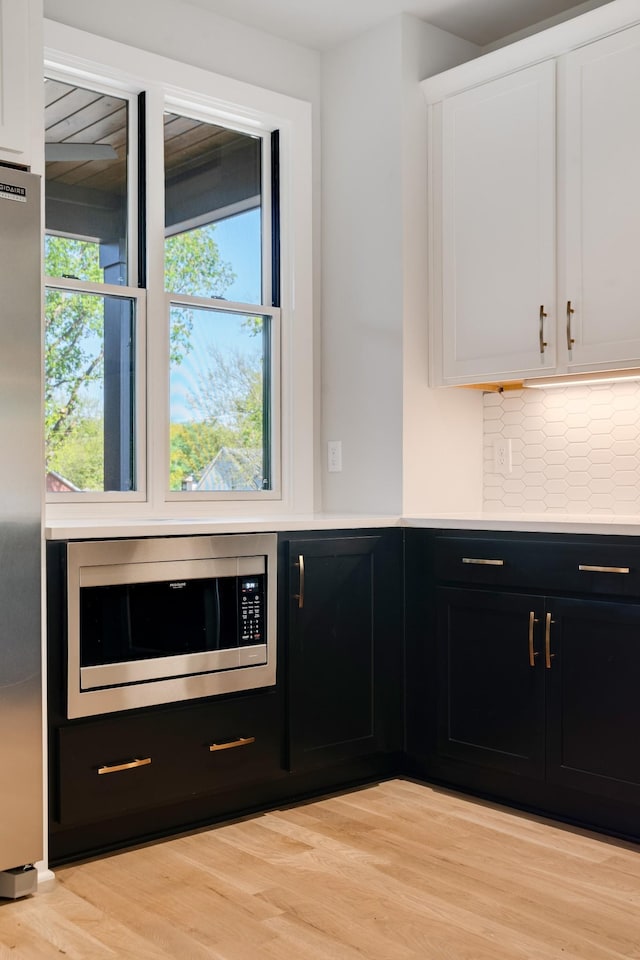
(533, 523)
(69, 529)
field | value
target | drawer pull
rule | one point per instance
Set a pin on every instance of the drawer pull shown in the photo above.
(532, 653)
(131, 765)
(486, 563)
(588, 568)
(230, 744)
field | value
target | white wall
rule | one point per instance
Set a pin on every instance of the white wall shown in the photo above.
(375, 392)
(442, 449)
(569, 14)
(362, 271)
(183, 32)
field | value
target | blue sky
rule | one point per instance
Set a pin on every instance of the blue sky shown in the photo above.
(238, 240)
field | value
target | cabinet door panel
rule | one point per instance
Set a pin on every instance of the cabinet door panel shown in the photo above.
(601, 188)
(491, 707)
(498, 227)
(344, 656)
(14, 76)
(594, 707)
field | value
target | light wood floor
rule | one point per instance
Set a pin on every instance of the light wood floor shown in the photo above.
(395, 871)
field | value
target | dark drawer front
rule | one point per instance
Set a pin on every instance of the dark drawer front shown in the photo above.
(593, 568)
(489, 562)
(572, 566)
(111, 766)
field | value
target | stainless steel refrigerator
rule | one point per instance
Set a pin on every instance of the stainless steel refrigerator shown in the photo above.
(21, 486)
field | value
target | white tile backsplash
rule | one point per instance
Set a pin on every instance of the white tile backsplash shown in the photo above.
(574, 450)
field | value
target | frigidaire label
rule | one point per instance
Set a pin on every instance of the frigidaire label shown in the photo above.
(9, 191)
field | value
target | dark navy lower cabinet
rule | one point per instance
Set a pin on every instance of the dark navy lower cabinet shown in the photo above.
(535, 690)
(505, 665)
(345, 646)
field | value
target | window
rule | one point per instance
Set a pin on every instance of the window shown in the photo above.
(90, 328)
(174, 373)
(220, 395)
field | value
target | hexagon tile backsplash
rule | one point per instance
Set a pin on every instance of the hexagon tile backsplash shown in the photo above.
(574, 450)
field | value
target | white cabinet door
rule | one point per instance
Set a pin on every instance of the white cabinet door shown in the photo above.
(600, 187)
(498, 228)
(15, 79)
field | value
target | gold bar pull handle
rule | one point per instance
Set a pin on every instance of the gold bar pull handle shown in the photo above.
(300, 596)
(231, 744)
(591, 568)
(548, 656)
(532, 653)
(543, 316)
(117, 767)
(570, 339)
(482, 562)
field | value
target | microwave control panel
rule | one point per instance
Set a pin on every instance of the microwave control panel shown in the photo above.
(251, 610)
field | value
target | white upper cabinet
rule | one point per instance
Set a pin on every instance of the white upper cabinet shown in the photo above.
(498, 227)
(20, 65)
(599, 189)
(519, 287)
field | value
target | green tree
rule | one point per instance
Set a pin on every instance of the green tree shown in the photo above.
(73, 340)
(228, 408)
(81, 457)
(193, 446)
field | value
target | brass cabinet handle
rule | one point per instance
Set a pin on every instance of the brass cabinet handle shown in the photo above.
(543, 316)
(230, 744)
(548, 656)
(589, 568)
(532, 653)
(300, 596)
(131, 765)
(480, 560)
(570, 312)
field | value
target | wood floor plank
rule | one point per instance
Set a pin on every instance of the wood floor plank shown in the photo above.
(394, 871)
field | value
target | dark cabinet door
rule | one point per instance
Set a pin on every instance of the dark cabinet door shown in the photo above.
(345, 647)
(594, 697)
(491, 679)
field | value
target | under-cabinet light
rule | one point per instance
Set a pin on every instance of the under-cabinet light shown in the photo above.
(582, 379)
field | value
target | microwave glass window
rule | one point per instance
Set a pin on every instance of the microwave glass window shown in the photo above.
(121, 623)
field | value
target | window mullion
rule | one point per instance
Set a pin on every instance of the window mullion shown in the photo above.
(157, 306)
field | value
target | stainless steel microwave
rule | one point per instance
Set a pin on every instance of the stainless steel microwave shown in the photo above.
(169, 618)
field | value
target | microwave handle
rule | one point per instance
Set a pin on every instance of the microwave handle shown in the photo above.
(218, 612)
(212, 614)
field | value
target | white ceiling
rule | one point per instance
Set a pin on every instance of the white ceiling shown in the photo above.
(322, 24)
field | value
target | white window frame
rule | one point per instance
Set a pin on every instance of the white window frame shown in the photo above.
(191, 91)
(138, 297)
